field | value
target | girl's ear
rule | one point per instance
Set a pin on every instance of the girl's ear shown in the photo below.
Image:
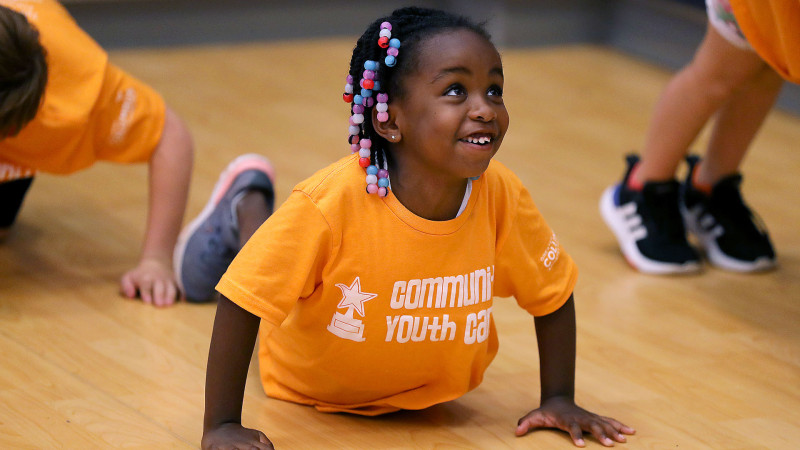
(389, 130)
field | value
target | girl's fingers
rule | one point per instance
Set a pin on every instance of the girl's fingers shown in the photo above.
(576, 434)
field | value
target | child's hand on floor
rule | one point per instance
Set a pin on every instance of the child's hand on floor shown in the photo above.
(153, 281)
(564, 414)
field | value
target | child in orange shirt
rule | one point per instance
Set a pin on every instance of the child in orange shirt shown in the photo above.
(375, 296)
(736, 74)
(63, 107)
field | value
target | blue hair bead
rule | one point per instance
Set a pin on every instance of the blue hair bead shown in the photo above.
(394, 42)
(377, 86)
(366, 92)
(358, 99)
(383, 182)
(369, 64)
(390, 61)
(372, 170)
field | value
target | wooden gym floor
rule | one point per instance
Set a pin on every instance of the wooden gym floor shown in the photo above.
(707, 361)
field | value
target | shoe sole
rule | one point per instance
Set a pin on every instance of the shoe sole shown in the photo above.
(236, 167)
(618, 225)
(715, 255)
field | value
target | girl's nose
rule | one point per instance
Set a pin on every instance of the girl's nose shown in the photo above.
(482, 111)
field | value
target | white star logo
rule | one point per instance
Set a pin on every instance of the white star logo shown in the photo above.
(353, 297)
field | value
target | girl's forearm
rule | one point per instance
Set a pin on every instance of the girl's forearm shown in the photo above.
(555, 334)
(232, 342)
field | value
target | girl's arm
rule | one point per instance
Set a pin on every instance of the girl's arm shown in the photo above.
(555, 334)
(232, 342)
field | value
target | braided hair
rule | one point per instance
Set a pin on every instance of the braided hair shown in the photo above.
(23, 72)
(410, 26)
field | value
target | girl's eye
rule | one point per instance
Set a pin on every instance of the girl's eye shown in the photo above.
(455, 89)
(495, 91)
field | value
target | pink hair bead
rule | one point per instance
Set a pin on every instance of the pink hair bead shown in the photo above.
(369, 75)
(349, 79)
(392, 51)
(358, 109)
(383, 116)
(366, 143)
(386, 26)
(368, 102)
(383, 97)
(372, 179)
(354, 148)
(381, 107)
(352, 121)
(383, 173)
(382, 192)
(372, 188)
(362, 152)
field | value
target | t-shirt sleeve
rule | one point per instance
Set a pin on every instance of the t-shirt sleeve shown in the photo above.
(281, 263)
(531, 265)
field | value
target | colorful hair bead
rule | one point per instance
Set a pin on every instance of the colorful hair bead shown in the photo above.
(382, 107)
(348, 89)
(368, 96)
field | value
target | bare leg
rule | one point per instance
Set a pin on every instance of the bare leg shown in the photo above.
(699, 90)
(251, 211)
(737, 124)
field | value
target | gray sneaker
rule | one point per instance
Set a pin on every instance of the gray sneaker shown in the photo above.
(209, 243)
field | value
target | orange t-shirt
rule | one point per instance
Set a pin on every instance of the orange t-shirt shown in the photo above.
(91, 109)
(772, 27)
(368, 308)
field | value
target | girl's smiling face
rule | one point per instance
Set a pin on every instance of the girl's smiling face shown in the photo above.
(450, 118)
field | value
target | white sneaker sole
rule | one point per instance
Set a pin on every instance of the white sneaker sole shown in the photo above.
(618, 220)
(715, 255)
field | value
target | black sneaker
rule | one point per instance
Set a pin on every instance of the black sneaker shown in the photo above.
(733, 237)
(648, 225)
